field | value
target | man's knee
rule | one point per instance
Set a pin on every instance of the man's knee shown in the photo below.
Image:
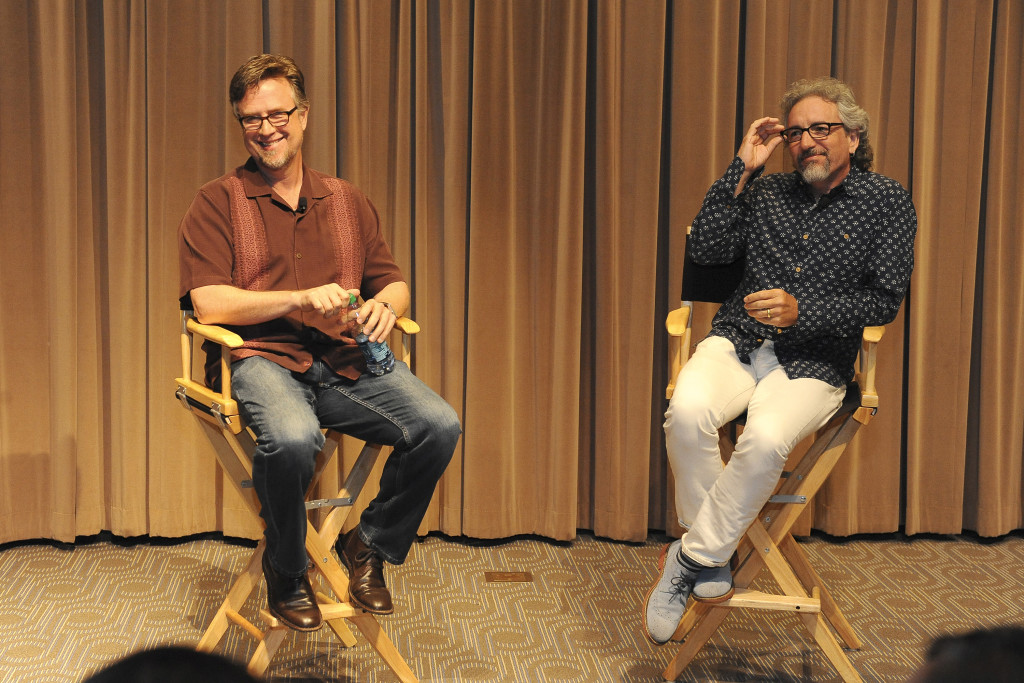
(767, 442)
(688, 413)
(439, 429)
(447, 430)
(291, 437)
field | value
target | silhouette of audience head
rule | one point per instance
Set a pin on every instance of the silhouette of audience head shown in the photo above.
(172, 665)
(993, 655)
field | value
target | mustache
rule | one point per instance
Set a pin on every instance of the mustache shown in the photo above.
(805, 155)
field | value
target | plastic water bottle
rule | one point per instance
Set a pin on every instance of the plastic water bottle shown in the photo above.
(379, 359)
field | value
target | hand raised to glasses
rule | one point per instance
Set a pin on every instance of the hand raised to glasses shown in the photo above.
(760, 141)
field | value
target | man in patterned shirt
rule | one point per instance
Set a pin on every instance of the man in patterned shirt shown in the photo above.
(829, 250)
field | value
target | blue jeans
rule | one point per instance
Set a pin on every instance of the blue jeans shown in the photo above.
(286, 411)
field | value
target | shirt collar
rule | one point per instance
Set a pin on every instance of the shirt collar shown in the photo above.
(256, 185)
(853, 184)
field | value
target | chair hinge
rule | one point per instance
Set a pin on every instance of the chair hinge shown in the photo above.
(787, 499)
(329, 502)
(182, 396)
(215, 410)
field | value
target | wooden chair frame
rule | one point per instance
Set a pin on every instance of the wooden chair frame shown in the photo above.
(217, 413)
(769, 542)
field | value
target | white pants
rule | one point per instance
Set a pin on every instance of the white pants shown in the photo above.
(717, 503)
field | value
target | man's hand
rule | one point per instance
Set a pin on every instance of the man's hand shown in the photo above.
(772, 307)
(760, 141)
(377, 319)
(758, 144)
(328, 300)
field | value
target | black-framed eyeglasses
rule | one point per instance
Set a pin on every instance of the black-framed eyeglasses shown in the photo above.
(818, 131)
(276, 118)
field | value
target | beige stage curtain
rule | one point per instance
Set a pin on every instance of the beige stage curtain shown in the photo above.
(535, 164)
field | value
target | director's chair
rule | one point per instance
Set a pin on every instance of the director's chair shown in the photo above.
(217, 412)
(769, 542)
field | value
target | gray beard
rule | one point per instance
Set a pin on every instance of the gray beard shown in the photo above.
(814, 172)
(276, 163)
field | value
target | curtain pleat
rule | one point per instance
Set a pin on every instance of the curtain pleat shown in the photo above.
(443, 37)
(523, 282)
(534, 165)
(629, 76)
(950, 89)
(993, 477)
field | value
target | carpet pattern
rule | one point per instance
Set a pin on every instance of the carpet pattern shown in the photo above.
(66, 611)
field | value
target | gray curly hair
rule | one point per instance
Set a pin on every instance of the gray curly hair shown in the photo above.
(852, 115)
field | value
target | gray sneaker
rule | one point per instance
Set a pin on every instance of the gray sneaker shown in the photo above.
(666, 601)
(714, 584)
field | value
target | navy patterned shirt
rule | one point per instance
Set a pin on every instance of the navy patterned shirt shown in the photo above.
(846, 258)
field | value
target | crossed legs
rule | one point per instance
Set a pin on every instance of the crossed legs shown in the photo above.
(715, 502)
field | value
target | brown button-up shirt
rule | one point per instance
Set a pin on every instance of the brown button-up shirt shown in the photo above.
(238, 232)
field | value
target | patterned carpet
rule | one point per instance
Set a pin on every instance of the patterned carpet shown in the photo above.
(66, 611)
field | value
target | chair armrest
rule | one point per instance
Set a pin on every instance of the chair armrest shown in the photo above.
(214, 333)
(866, 365)
(677, 323)
(407, 325)
(218, 404)
(214, 406)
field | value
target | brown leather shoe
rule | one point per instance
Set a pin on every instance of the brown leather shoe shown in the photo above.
(365, 574)
(291, 599)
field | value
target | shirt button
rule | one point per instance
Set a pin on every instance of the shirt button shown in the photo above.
(806, 235)
(298, 255)
(798, 269)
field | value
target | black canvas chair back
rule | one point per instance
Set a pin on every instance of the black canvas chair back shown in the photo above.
(710, 283)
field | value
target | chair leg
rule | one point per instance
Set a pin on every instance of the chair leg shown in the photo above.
(337, 624)
(815, 623)
(695, 611)
(373, 633)
(228, 613)
(695, 640)
(805, 571)
(260, 661)
(332, 574)
(239, 592)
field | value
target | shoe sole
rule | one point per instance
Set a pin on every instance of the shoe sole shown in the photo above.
(716, 600)
(353, 598)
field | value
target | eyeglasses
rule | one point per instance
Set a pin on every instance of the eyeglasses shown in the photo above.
(818, 131)
(276, 118)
